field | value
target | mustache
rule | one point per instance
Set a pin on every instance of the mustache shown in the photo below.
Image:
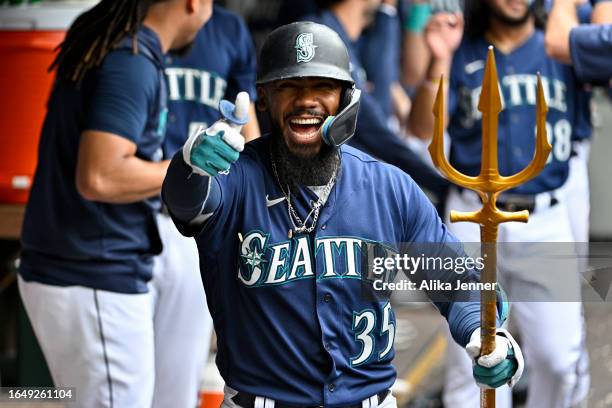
(309, 112)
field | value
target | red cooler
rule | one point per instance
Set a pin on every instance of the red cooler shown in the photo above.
(28, 38)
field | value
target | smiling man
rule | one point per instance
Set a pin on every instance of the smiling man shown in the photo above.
(281, 225)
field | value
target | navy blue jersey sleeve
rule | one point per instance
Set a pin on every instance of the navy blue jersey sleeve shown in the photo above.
(243, 71)
(591, 47)
(125, 86)
(190, 198)
(379, 50)
(199, 203)
(425, 233)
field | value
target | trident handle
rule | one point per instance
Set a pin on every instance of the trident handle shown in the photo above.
(489, 184)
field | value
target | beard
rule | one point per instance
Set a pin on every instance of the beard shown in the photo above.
(507, 20)
(294, 170)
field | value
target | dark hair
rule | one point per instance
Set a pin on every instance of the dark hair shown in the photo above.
(477, 13)
(95, 32)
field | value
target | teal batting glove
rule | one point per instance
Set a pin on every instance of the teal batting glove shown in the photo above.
(503, 366)
(212, 151)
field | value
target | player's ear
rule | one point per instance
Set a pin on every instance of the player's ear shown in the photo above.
(262, 104)
(191, 6)
(197, 6)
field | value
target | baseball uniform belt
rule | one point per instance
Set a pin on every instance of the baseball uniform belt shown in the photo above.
(247, 400)
(514, 202)
(517, 202)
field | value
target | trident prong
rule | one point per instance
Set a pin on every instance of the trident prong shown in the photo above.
(489, 181)
(489, 184)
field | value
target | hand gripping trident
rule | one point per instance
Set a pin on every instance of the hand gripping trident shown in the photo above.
(488, 184)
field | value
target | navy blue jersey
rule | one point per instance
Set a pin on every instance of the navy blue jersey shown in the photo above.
(221, 63)
(66, 239)
(566, 120)
(291, 320)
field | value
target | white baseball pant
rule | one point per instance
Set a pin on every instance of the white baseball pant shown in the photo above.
(128, 350)
(262, 402)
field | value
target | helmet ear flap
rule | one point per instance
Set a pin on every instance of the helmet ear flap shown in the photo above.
(338, 129)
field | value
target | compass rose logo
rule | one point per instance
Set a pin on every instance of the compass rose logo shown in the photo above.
(253, 258)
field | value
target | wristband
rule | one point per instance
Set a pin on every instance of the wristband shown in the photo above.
(417, 17)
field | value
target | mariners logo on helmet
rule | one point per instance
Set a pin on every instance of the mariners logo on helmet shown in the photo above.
(305, 47)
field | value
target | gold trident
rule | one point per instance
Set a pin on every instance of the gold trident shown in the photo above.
(489, 184)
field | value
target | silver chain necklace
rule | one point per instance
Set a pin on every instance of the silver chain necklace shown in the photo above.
(300, 226)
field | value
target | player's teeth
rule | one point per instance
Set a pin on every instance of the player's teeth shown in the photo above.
(309, 121)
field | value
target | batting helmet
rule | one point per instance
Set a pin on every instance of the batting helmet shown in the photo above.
(306, 49)
(303, 49)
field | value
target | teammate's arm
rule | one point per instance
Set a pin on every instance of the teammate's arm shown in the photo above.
(250, 130)
(602, 12)
(117, 117)
(563, 17)
(581, 45)
(108, 170)
(443, 35)
(415, 53)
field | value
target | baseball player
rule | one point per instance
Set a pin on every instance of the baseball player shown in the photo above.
(89, 235)
(586, 46)
(551, 328)
(348, 19)
(279, 224)
(221, 62)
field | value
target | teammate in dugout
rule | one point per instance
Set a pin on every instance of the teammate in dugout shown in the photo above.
(106, 323)
(551, 326)
(276, 223)
(586, 46)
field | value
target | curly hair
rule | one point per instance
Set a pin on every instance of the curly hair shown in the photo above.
(95, 32)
